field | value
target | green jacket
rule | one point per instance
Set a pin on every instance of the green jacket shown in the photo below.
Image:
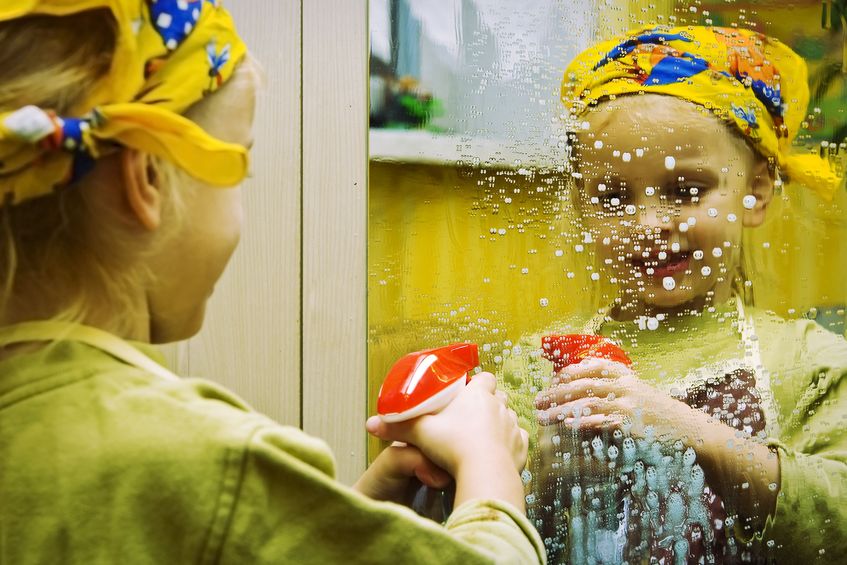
(102, 461)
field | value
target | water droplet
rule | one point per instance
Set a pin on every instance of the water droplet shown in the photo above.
(670, 163)
(669, 283)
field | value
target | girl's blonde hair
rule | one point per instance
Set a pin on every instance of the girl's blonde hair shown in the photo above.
(62, 255)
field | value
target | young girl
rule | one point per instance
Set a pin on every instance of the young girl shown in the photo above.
(725, 439)
(117, 118)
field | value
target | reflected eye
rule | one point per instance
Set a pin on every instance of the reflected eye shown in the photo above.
(686, 191)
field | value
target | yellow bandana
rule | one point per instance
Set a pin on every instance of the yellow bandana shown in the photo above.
(754, 82)
(169, 54)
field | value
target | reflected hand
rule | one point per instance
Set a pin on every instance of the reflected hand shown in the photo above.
(598, 394)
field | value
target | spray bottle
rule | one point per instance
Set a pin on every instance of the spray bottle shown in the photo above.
(420, 383)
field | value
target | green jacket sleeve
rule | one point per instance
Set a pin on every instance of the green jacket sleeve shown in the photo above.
(287, 508)
(810, 520)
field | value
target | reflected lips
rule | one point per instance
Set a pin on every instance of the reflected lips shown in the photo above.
(675, 263)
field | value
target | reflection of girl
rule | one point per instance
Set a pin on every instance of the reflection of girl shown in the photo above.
(124, 130)
(678, 138)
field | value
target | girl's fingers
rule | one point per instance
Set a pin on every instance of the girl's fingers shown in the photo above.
(398, 431)
(580, 388)
(594, 422)
(576, 410)
(502, 396)
(484, 381)
(513, 417)
(593, 368)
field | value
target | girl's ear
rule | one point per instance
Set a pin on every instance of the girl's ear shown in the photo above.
(142, 184)
(762, 188)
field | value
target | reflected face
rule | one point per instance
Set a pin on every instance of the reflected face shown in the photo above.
(662, 192)
(194, 258)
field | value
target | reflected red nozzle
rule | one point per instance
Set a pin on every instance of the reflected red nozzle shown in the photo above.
(567, 349)
(425, 381)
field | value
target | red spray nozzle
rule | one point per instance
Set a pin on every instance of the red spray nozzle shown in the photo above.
(424, 382)
(568, 349)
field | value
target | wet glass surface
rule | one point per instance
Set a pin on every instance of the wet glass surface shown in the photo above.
(500, 216)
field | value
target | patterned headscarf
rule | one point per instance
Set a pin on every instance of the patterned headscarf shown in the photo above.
(749, 80)
(169, 54)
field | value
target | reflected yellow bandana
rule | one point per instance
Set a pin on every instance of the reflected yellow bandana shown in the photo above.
(752, 81)
(169, 54)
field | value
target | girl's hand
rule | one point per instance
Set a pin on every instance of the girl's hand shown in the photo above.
(477, 425)
(598, 394)
(476, 439)
(601, 394)
(389, 474)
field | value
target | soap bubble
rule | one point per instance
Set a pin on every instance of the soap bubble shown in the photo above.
(749, 202)
(670, 163)
(669, 283)
(698, 254)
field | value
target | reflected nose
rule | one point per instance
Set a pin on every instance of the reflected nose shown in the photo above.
(656, 219)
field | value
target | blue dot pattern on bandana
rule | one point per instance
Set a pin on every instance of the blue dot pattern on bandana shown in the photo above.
(72, 129)
(175, 19)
